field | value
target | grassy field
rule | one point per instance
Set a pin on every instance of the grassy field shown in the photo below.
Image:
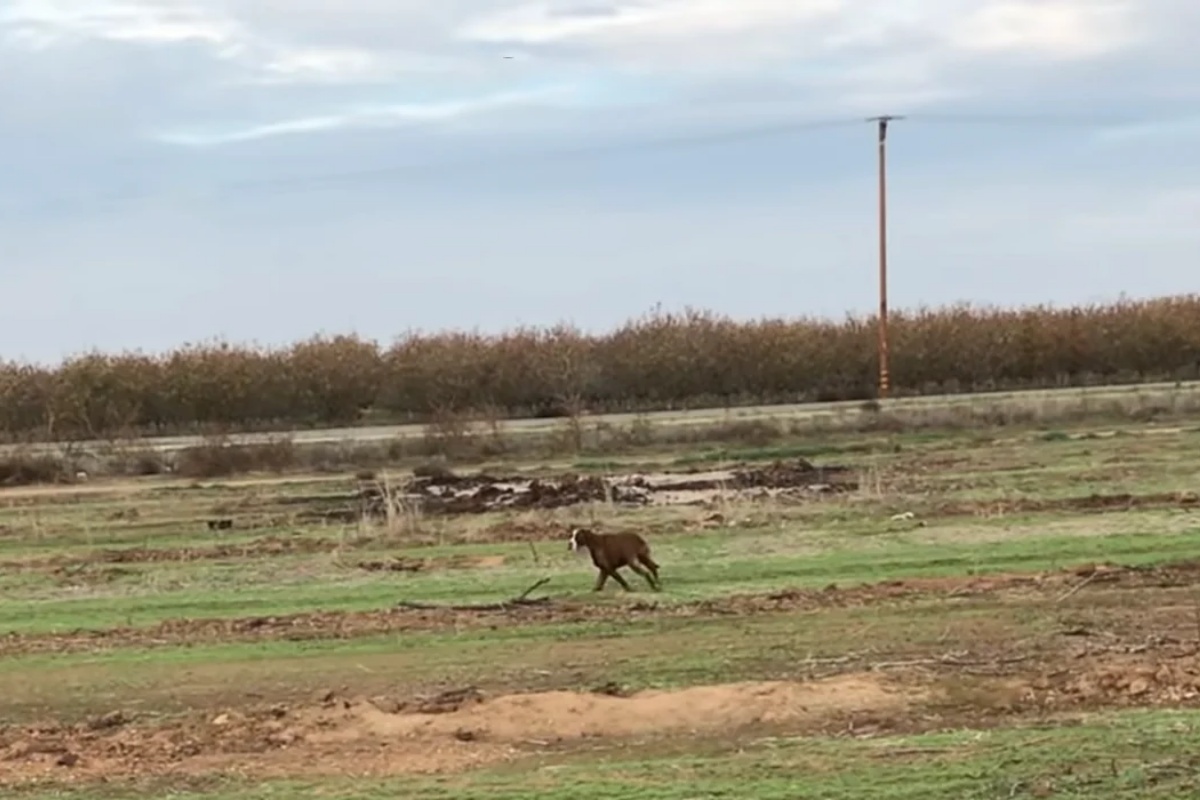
(969, 613)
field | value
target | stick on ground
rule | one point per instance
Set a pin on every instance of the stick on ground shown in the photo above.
(523, 600)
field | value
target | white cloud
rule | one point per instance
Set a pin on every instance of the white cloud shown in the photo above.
(546, 21)
(382, 116)
(45, 24)
(314, 64)
(62, 22)
(1054, 28)
(727, 31)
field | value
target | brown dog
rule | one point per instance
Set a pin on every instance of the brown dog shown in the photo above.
(611, 551)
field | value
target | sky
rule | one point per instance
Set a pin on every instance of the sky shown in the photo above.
(261, 171)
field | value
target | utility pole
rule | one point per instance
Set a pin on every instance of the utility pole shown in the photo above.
(884, 376)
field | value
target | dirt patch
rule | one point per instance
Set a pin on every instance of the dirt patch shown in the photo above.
(446, 493)
(379, 735)
(409, 564)
(77, 566)
(313, 625)
(263, 547)
(1156, 676)
(1092, 503)
(552, 717)
(470, 729)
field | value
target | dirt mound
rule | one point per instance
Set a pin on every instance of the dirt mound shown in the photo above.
(449, 732)
(559, 716)
(1167, 676)
(447, 493)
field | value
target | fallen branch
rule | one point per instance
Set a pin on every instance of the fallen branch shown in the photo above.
(523, 600)
(1070, 592)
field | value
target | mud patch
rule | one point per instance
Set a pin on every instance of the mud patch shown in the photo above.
(445, 493)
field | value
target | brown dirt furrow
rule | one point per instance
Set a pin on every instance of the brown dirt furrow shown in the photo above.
(1092, 503)
(77, 565)
(345, 734)
(347, 624)
(257, 548)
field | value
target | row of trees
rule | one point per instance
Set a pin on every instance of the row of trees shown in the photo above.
(659, 361)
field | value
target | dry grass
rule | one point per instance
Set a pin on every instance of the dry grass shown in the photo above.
(662, 361)
(457, 440)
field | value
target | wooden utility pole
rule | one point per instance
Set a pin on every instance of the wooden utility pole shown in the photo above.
(884, 375)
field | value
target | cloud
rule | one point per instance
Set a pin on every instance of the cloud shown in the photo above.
(659, 32)
(1057, 29)
(43, 25)
(670, 20)
(382, 116)
(309, 66)
(51, 23)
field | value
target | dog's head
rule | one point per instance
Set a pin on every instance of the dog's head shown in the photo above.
(579, 539)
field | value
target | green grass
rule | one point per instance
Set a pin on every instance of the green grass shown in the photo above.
(694, 567)
(768, 546)
(668, 652)
(1116, 757)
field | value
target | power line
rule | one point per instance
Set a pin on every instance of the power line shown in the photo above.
(268, 186)
(1027, 120)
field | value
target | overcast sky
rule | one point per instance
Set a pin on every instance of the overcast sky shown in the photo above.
(263, 170)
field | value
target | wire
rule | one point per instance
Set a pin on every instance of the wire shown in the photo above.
(1024, 120)
(302, 182)
(270, 186)
(714, 137)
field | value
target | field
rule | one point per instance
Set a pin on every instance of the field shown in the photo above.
(967, 612)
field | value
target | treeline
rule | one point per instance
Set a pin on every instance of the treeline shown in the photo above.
(659, 361)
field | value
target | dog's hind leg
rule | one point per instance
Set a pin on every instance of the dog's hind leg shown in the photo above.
(653, 567)
(645, 574)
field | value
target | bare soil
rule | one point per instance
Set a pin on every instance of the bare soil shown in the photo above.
(72, 566)
(1091, 503)
(380, 735)
(447, 493)
(313, 625)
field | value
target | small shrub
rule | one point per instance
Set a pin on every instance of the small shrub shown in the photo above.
(137, 461)
(217, 457)
(26, 469)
